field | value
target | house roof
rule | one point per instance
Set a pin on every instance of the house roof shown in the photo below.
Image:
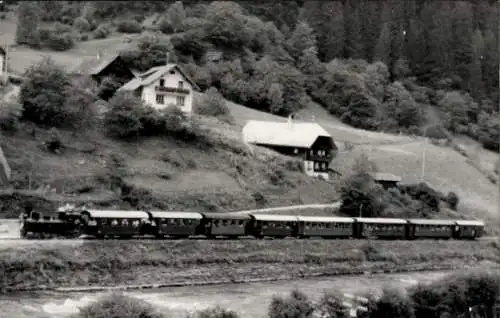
(153, 74)
(296, 134)
(92, 65)
(385, 176)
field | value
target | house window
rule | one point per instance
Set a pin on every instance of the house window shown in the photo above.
(316, 166)
(160, 99)
(296, 151)
(181, 100)
(180, 84)
(162, 82)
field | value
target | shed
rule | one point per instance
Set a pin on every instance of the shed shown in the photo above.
(387, 180)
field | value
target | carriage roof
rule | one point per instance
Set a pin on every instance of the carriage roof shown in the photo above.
(470, 222)
(274, 217)
(431, 222)
(175, 215)
(325, 219)
(117, 214)
(381, 220)
(226, 216)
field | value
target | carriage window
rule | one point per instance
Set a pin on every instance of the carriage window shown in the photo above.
(125, 222)
(135, 223)
(181, 222)
(225, 222)
(114, 223)
(216, 222)
(240, 222)
(189, 222)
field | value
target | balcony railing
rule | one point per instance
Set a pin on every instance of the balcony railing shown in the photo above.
(326, 158)
(172, 89)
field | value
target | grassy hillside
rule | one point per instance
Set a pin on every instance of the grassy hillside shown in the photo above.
(228, 177)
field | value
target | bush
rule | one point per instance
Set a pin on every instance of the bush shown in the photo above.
(44, 93)
(118, 305)
(452, 199)
(452, 296)
(330, 305)
(214, 104)
(297, 305)
(217, 312)
(128, 26)
(393, 304)
(102, 31)
(10, 112)
(82, 24)
(58, 37)
(123, 120)
(54, 144)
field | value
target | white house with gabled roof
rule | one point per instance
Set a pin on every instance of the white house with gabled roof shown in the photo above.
(162, 86)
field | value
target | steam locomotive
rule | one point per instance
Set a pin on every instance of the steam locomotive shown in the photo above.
(101, 224)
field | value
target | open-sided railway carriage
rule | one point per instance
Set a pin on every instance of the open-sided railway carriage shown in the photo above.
(114, 223)
(70, 223)
(325, 227)
(386, 228)
(270, 225)
(224, 224)
(174, 224)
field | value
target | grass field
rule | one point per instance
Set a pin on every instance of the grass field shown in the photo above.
(170, 169)
(107, 263)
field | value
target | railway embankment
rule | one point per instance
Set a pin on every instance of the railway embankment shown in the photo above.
(53, 265)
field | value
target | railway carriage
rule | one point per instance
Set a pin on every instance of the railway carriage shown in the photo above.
(468, 229)
(384, 228)
(326, 227)
(174, 224)
(223, 224)
(424, 228)
(270, 225)
(111, 223)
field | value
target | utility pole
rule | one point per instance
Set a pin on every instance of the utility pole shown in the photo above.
(424, 152)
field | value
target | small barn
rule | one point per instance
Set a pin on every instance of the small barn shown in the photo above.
(101, 66)
(385, 179)
(306, 140)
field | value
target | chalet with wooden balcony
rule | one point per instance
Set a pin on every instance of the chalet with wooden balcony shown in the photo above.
(306, 140)
(162, 86)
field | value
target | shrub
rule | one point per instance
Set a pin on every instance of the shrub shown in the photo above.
(118, 305)
(452, 199)
(123, 120)
(82, 24)
(10, 112)
(297, 305)
(128, 26)
(214, 104)
(217, 312)
(43, 95)
(54, 143)
(102, 31)
(330, 305)
(108, 87)
(393, 304)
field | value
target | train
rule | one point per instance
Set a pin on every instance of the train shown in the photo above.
(105, 224)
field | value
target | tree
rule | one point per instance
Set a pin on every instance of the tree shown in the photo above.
(400, 106)
(275, 97)
(383, 47)
(28, 19)
(455, 105)
(331, 305)
(123, 119)
(302, 39)
(44, 93)
(476, 84)
(150, 51)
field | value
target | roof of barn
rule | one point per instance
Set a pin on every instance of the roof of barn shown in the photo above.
(296, 134)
